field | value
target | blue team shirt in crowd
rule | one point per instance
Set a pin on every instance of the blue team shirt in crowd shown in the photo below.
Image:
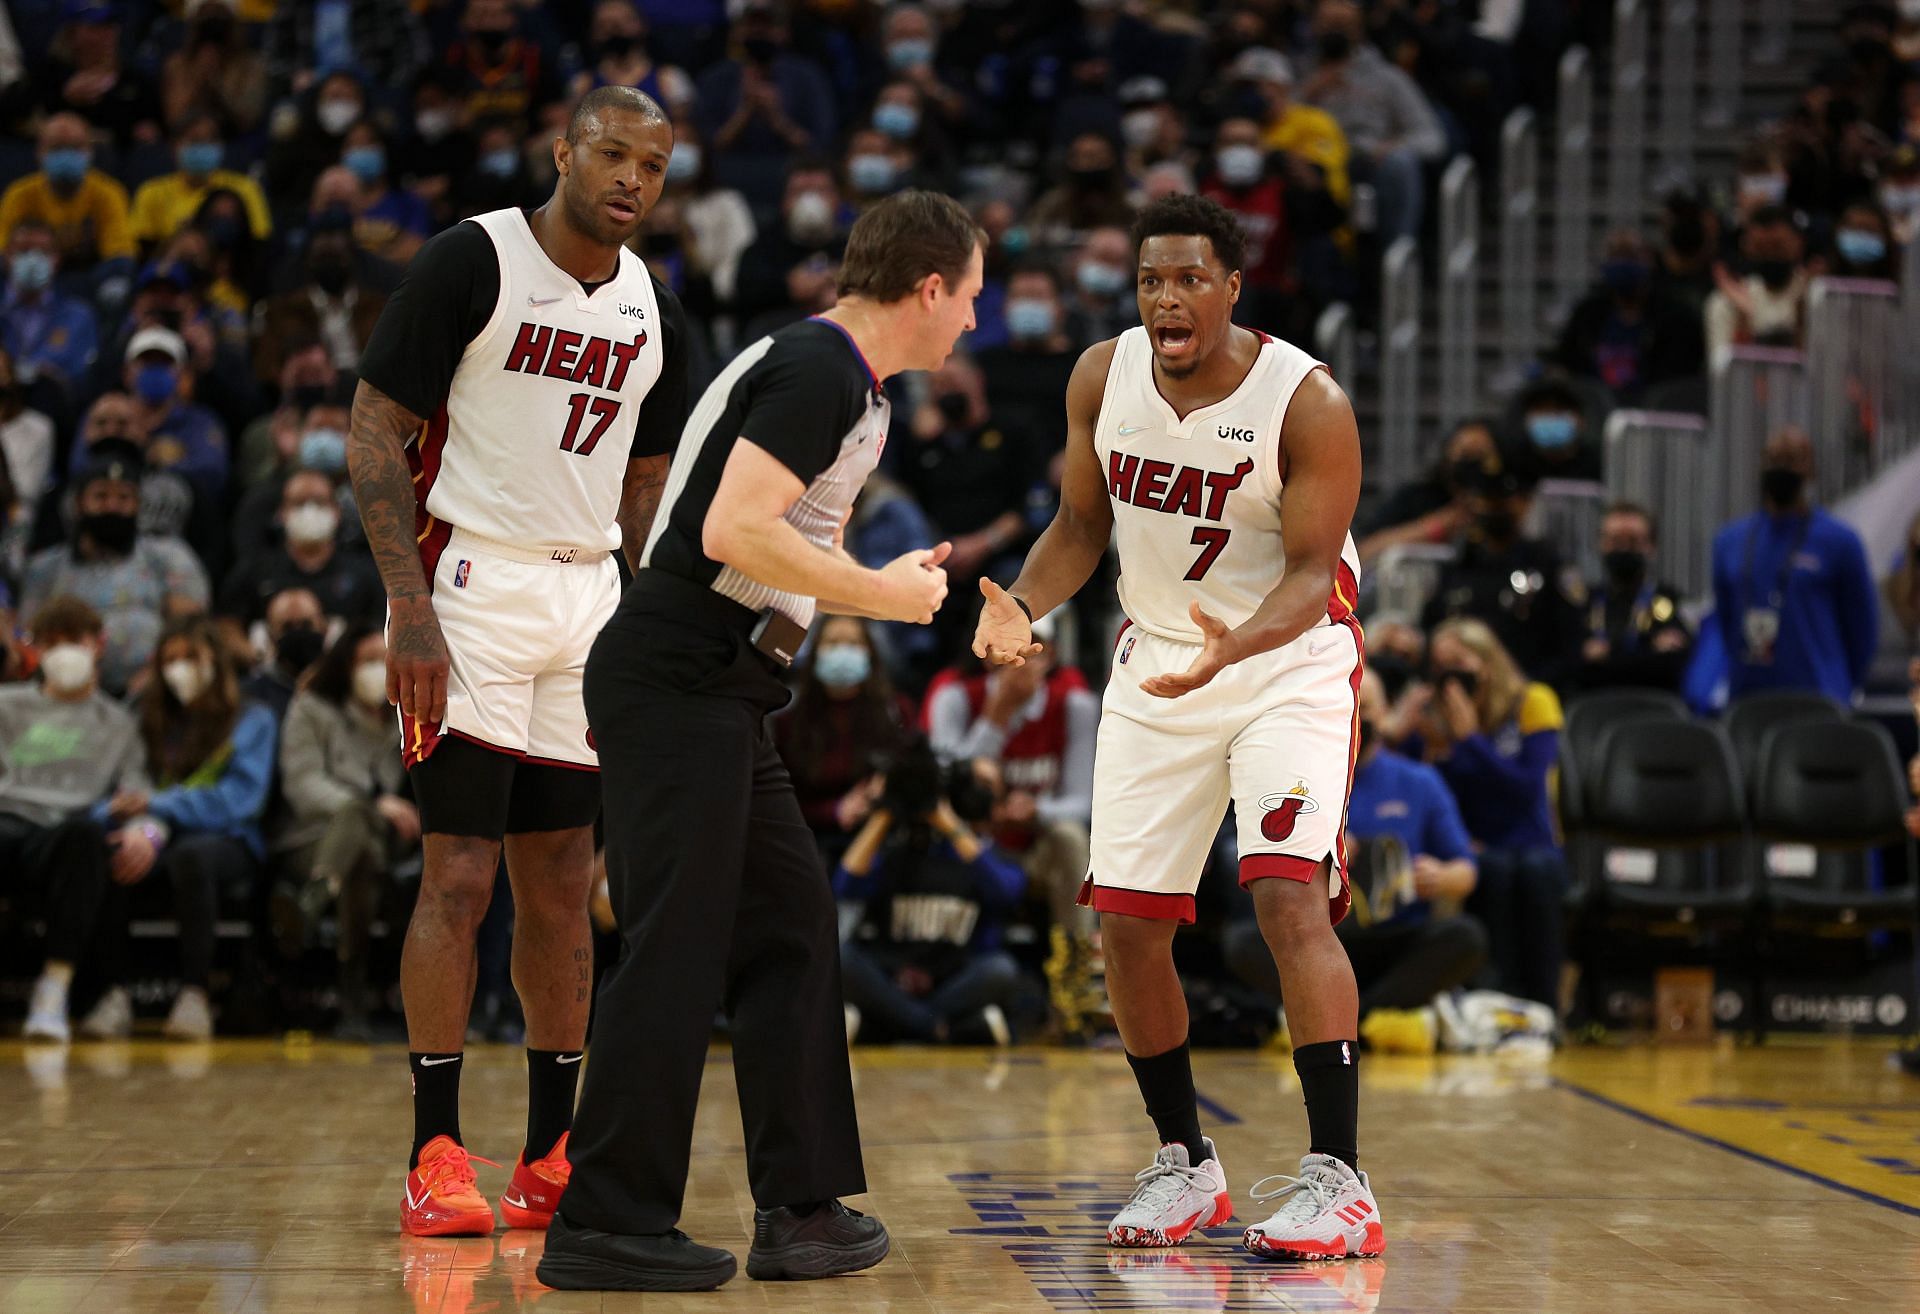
(1829, 612)
(1394, 795)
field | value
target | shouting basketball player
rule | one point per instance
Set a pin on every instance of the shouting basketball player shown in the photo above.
(518, 402)
(1226, 465)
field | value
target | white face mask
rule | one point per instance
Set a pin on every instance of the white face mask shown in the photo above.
(1139, 127)
(187, 679)
(312, 522)
(68, 667)
(370, 683)
(336, 116)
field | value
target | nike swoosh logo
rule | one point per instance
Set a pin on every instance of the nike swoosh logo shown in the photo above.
(1313, 650)
(434, 1063)
(515, 1199)
(569, 1058)
(541, 301)
(1128, 430)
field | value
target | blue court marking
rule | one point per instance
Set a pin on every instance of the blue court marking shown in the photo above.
(1219, 1112)
(1752, 1155)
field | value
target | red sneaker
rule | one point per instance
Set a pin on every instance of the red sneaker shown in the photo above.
(534, 1193)
(442, 1196)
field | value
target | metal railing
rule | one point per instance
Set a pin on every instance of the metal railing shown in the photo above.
(1853, 346)
(1723, 63)
(1519, 240)
(1627, 121)
(1399, 362)
(1401, 580)
(1659, 459)
(1907, 382)
(1753, 392)
(1333, 342)
(1678, 76)
(1459, 289)
(1776, 30)
(1566, 513)
(1573, 180)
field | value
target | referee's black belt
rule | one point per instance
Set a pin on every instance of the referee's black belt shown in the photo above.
(693, 600)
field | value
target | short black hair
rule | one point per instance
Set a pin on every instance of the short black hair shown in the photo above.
(1189, 215)
(612, 97)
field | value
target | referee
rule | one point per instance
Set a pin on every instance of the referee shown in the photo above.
(721, 894)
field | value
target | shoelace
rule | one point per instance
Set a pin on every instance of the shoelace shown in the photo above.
(1160, 1181)
(1312, 1194)
(454, 1168)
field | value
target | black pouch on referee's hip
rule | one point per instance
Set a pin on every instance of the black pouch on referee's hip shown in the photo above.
(778, 636)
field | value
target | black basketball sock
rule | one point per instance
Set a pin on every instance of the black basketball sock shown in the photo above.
(436, 1099)
(552, 1075)
(1166, 1084)
(1330, 1079)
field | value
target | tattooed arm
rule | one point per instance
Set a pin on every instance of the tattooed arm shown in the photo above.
(645, 481)
(383, 486)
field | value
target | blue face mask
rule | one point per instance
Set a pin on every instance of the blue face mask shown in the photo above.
(31, 271)
(367, 163)
(323, 449)
(1858, 248)
(684, 164)
(200, 158)
(1098, 280)
(67, 166)
(909, 52)
(500, 163)
(1552, 430)
(1028, 319)
(842, 665)
(156, 383)
(896, 120)
(871, 173)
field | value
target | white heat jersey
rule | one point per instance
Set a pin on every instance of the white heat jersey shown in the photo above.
(531, 445)
(1196, 502)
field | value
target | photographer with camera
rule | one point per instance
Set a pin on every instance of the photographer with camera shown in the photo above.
(926, 962)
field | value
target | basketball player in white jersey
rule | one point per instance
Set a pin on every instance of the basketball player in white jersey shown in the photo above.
(1225, 466)
(518, 402)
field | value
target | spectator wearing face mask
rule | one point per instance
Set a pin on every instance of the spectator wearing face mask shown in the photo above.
(49, 335)
(1305, 132)
(370, 39)
(1626, 333)
(269, 445)
(85, 209)
(437, 146)
(67, 746)
(1690, 243)
(310, 556)
(1244, 180)
(1792, 592)
(1028, 376)
(215, 70)
(1900, 194)
(26, 451)
(805, 246)
(499, 177)
(1861, 244)
(183, 442)
(164, 205)
(1436, 507)
(330, 304)
(1092, 195)
(312, 436)
(910, 49)
(211, 754)
(1636, 635)
(347, 817)
(1152, 128)
(763, 103)
(1102, 302)
(390, 223)
(1554, 428)
(875, 166)
(1516, 585)
(85, 75)
(309, 138)
(618, 56)
(134, 581)
(503, 71)
(1767, 303)
(295, 636)
(968, 472)
(717, 219)
(845, 719)
(901, 114)
(1760, 183)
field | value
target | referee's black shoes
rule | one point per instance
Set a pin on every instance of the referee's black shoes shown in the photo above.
(813, 1241)
(581, 1259)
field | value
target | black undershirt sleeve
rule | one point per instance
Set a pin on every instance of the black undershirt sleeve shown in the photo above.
(803, 400)
(445, 298)
(663, 412)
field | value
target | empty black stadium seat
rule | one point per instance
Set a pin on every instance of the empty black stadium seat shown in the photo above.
(1590, 719)
(1826, 796)
(1751, 719)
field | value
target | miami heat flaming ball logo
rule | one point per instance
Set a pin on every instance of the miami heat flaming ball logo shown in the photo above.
(1282, 810)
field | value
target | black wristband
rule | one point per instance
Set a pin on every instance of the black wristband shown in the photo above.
(1021, 603)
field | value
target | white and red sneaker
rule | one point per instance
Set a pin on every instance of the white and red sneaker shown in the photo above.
(1327, 1212)
(1173, 1197)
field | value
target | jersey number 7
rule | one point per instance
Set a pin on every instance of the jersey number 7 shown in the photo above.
(603, 408)
(1211, 541)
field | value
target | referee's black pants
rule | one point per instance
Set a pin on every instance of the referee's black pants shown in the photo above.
(722, 901)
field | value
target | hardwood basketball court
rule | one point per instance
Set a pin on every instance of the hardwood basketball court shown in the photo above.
(266, 1176)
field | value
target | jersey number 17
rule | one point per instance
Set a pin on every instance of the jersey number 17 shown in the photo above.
(603, 410)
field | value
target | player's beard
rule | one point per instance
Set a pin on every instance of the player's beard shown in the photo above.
(590, 218)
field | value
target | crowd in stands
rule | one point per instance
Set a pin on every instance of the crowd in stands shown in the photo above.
(207, 202)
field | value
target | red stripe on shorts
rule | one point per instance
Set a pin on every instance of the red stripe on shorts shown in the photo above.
(1137, 903)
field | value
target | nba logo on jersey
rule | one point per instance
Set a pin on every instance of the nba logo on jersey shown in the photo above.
(460, 574)
(1126, 650)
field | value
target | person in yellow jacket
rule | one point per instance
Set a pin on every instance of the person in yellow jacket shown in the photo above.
(165, 205)
(1300, 130)
(85, 208)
